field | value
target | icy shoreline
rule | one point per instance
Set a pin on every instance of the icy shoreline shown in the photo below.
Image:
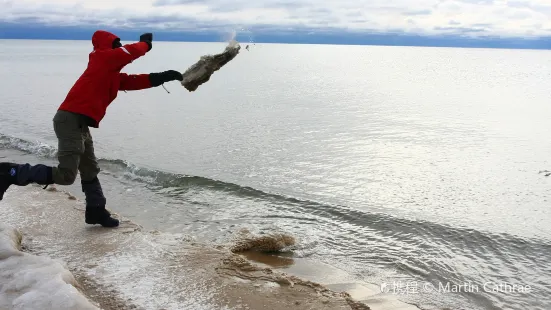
(29, 281)
(129, 268)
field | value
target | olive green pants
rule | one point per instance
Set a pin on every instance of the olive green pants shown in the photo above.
(75, 149)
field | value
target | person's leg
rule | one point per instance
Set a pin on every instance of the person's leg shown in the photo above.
(70, 147)
(69, 131)
(22, 175)
(91, 186)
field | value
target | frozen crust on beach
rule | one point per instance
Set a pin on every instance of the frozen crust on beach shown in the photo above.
(29, 282)
(130, 268)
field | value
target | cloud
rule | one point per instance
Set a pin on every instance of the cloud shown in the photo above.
(508, 18)
(419, 12)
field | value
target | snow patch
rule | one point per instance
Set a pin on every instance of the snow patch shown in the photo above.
(35, 282)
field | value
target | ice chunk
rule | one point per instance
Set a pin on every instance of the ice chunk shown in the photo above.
(35, 282)
(10, 242)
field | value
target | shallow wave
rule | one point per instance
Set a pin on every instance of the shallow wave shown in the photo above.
(151, 176)
(378, 221)
(36, 147)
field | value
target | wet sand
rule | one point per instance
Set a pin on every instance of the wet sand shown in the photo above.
(130, 268)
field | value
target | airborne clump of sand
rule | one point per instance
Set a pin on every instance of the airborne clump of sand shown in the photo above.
(270, 242)
(200, 72)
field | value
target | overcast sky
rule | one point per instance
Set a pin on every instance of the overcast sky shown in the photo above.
(472, 17)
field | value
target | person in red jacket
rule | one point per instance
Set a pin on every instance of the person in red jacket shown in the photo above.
(85, 106)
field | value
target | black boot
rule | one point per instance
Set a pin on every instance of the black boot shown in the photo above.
(95, 205)
(22, 175)
(99, 215)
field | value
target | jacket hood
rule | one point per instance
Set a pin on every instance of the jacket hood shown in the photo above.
(102, 40)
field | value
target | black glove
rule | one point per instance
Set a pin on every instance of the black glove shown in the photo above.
(147, 38)
(159, 78)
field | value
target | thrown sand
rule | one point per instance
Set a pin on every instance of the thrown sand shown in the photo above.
(127, 267)
(202, 70)
(273, 242)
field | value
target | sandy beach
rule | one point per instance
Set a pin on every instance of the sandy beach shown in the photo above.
(130, 268)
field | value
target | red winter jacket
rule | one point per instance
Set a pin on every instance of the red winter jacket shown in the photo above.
(98, 86)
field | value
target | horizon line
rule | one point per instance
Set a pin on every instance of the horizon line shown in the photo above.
(302, 43)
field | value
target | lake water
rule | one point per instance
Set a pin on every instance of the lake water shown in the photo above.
(400, 165)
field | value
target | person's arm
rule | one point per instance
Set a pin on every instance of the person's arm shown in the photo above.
(143, 81)
(122, 56)
(134, 81)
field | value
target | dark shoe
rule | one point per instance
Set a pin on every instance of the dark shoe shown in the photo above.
(95, 205)
(99, 215)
